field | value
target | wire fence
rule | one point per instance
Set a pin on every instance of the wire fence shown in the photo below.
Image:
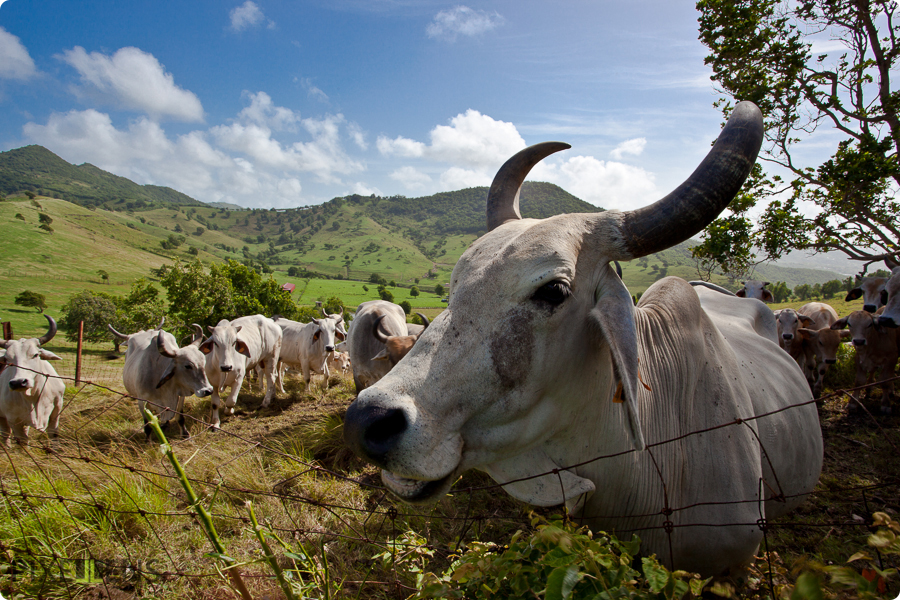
(100, 507)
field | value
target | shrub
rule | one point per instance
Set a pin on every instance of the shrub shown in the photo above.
(32, 300)
(406, 306)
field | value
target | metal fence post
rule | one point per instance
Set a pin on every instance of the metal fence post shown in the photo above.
(78, 353)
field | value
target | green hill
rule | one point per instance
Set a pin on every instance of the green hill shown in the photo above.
(36, 169)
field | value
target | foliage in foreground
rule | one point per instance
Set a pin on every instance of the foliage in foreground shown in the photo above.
(557, 561)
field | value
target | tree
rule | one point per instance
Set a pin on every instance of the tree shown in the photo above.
(406, 306)
(386, 295)
(439, 290)
(31, 300)
(763, 51)
(803, 291)
(103, 275)
(414, 291)
(45, 218)
(830, 288)
(780, 292)
(96, 310)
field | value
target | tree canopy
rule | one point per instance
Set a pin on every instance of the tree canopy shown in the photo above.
(782, 57)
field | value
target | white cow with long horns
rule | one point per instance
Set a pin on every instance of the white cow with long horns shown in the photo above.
(31, 392)
(679, 419)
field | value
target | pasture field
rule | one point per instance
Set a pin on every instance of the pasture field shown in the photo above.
(100, 513)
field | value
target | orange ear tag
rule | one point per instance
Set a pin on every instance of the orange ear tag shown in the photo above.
(617, 397)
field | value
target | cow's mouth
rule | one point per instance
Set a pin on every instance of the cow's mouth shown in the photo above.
(417, 491)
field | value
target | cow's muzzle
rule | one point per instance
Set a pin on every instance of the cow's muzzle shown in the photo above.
(869, 308)
(373, 431)
(226, 368)
(329, 348)
(207, 391)
(858, 342)
(787, 336)
(18, 384)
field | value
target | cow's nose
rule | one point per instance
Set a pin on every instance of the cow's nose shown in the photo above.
(887, 322)
(869, 308)
(204, 392)
(372, 431)
(329, 348)
(787, 336)
(18, 384)
(830, 361)
(861, 342)
(226, 368)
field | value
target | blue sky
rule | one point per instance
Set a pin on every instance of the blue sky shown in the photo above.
(275, 103)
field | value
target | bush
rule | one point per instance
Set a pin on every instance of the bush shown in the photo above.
(406, 306)
(556, 561)
(32, 300)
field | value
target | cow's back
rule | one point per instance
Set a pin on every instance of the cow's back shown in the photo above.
(144, 365)
(823, 315)
(262, 336)
(362, 346)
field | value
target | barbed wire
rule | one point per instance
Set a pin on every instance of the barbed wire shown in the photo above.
(49, 476)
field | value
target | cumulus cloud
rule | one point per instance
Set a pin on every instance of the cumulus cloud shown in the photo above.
(15, 62)
(633, 147)
(248, 15)
(262, 111)
(357, 135)
(462, 21)
(134, 80)
(411, 178)
(603, 183)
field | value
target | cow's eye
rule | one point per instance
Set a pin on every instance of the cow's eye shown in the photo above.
(188, 367)
(553, 293)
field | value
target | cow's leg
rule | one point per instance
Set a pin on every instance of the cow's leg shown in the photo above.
(271, 375)
(279, 375)
(53, 423)
(179, 409)
(4, 432)
(215, 400)
(20, 431)
(231, 400)
(326, 373)
(148, 431)
(820, 380)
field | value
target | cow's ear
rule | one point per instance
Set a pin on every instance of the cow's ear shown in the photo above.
(317, 335)
(169, 374)
(840, 323)
(383, 355)
(47, 355)
(808, 334)
(741, 293)
(805, 321)
(339, 335)
(242, 348)
(767, 296)
(614, 312)
(853, 294)
(207, 346)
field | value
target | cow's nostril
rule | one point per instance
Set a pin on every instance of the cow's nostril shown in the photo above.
(226, 368)
(329, 348)
(869, 308)
(373, 431)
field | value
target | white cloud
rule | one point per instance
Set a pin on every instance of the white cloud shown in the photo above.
(822, 46)
(400, 146)
(364, 190)
(262, 111)
(358, 136)
(602, 183)
(411, 178)
(15, 62)
(248, 15)
(633, 147)
(462, 20)
(475, 140)
(456, 178)
(134, 80)
(313, 92)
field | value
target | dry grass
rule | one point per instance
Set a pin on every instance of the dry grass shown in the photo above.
(104, 493)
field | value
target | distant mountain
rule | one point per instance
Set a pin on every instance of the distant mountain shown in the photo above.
(38, 170)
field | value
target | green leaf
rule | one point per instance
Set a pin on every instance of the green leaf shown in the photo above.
(657, 576)
(561, 582)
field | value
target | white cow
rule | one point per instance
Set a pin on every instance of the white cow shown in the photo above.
(363, 346)
(543, 373)
(31, 392)
(339, 362)
(755, 289)
(159, 372)
(871, 290)
(232, 350)
(891, 315)
(307, 346)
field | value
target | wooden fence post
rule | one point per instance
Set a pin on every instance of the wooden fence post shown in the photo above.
(7, 330)
(78, 353)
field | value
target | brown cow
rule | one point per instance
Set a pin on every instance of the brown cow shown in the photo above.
(876, 352)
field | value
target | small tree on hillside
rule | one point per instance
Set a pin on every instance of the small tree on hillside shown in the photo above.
(95, 309)
(780, 291)
(104, 276)
(414, 291)
(32, 300)
(386, 295)
(830, 288)
(439, 290)
(406, 306)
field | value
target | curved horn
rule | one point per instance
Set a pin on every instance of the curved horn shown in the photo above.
(162, 322)
(50, 332)
(197, 336)
(324, 314)
(503, 198)
(121, 336)
(376, 331)
(425, 321)
(695, 203)
(161, 346)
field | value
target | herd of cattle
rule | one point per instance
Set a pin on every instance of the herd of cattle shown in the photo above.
(159, 372)
(678, 418)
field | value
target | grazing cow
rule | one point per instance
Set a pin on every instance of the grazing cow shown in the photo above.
(543, 373)
(159, 372)
(339, 362)
(362, 346)
(876, 352)
(307, 346)
(396, 346)
(31, 393)
(871, 290)
(891, 315)
(233, 349)
(788, 321)
(755, 289)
